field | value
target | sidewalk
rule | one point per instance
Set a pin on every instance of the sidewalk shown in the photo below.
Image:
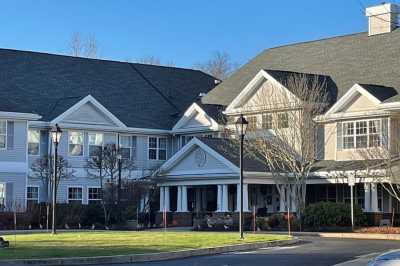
(342, 235)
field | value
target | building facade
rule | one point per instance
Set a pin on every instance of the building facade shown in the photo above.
(175, 123)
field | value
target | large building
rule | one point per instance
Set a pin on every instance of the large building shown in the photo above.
(172, 121)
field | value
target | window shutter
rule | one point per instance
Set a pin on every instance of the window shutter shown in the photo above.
(10, 135)
(10, 195)
(385, 134)
(339, 136)
(133, 153)
(44, 142)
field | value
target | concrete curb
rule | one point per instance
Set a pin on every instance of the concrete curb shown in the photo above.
(346, 235)
(149, 257)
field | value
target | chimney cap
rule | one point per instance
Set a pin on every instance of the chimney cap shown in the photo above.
(383, 8)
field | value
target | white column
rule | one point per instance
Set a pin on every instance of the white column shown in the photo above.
(367, 197)
(293, 199)
(219, 198)
(225, 198)
(179, 199)
(245, 198)
(142, 203)
(198, 199)
(166, 199)
(161, 199)
(374, 197)
(184, 199)
(282, 195)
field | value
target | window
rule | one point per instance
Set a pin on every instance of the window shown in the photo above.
(95, 143)
(94, 195)
(2, 194)
(75, 194)
(75, 143)
(252, 120)
(34, 142)
(267, 121)
(157, 148)
(3, 134)
(32, 194)
(283, 120)
(127, 146)
(362, 134)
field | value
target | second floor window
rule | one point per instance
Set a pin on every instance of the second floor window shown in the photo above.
(252, 120)
(75, 143)
(362, 134)
(127, 146)
(267, 121)
(157, 148)
(3, 134)
(33, 142)
(95, 143)
(282, 120)
(75, 194)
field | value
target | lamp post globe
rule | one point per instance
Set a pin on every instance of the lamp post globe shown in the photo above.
(241, 128)
(56, 137)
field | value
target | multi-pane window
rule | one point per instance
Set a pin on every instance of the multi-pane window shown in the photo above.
(157, 148)
(2, 195)
(32, 194)
(362, 134)
(75, 143)
(96, 141)
(94, 194)
(33, 142)
(3, 134)
(75, 194)
(185, 139)
(267, 121)
(127, 146)
(252, 120)
(282, 120)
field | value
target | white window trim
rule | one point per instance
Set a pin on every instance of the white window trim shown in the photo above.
(157, 149)
(88, 142)
(40, 137)
(83, 144)
(87, 190)
(74, 200)
(368, 134)
(30, 199)
(6, 136)
(5, 192)
(131, 147)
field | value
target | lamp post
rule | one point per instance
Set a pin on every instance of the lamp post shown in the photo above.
(55, 136)
(241, 127)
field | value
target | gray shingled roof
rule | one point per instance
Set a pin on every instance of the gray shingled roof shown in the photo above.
(230, 151)
(143, 96)
(350, 59)
(382, 93)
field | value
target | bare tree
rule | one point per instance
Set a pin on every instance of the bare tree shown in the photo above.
(43, 170)
(151, 60)
(103, 165)
(83, 47)
(285, 140)
(220, 65)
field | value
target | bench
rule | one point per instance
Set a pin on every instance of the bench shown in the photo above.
(384, 222)
(3, 243)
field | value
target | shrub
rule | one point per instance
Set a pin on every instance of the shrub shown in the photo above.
(330, 214)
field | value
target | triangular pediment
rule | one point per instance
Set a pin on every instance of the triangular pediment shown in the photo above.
(196, 158)
(89, 111)
(194, 119)
(358, 103)
(262, 92)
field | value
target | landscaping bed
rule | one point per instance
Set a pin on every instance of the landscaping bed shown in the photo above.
(91, 244)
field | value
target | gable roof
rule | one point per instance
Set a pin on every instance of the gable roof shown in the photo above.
(141, 96)
(349, 59)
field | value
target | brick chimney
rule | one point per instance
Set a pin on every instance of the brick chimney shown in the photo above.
(382, 18)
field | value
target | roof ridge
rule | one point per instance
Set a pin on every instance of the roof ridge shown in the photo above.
(100, 59)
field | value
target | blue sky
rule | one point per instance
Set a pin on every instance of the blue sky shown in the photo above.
(183, 31)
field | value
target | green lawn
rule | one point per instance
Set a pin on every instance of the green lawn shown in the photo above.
(86, 244)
